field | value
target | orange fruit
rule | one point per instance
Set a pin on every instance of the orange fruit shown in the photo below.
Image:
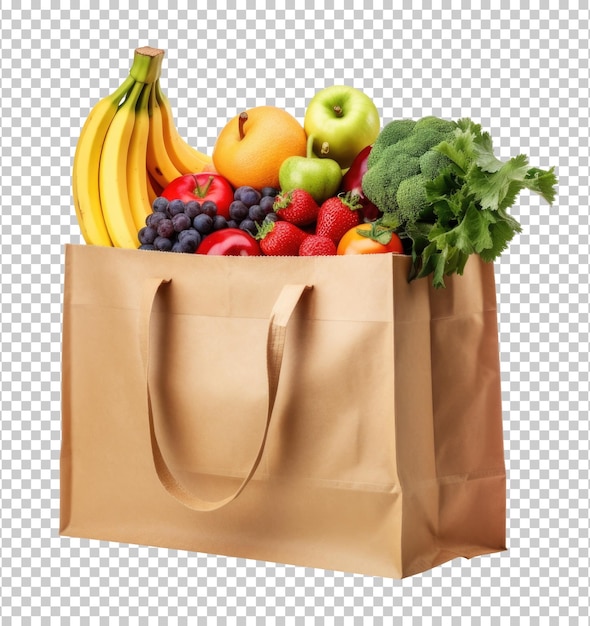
(252, 146)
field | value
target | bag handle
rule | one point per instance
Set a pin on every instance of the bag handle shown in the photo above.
(275, 343)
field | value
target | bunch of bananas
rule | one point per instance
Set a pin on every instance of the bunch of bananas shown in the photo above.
(128, 151)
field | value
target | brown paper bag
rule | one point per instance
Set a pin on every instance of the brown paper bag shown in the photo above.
(316, 411)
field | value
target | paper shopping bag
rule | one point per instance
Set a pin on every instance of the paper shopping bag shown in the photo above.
(318, 411)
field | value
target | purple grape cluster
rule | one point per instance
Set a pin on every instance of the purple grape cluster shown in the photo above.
(251, 207)
(177, 226)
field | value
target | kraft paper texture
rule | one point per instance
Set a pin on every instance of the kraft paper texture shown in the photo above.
(317, 411)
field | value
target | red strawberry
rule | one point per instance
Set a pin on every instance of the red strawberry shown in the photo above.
(338, 215)
(296, 206)
(316, 245)
(280, 238)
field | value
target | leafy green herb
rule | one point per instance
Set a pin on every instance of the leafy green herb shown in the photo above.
(469, 202)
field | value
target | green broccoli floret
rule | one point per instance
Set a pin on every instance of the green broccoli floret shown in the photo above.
(411, 197)
(381, 181)
(390, 134)
(435, 124)
(404, 150)
(432, 163)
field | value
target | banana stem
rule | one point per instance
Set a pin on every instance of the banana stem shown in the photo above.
(152, 102)
(160, 95)
(147, 64)
(144, 100)
(122, 89)
(134, 95)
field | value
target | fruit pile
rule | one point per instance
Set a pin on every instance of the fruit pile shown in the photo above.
(138, 184)
(336, 184)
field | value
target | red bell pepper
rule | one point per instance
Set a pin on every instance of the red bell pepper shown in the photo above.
(202, 187)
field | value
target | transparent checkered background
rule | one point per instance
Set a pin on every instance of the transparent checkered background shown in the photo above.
(522, 72)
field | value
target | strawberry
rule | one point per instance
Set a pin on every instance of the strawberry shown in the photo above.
(296, 206)
(316, 245)
(338, 215)
(280, 238)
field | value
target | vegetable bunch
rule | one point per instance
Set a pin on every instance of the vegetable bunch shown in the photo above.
(440, 185)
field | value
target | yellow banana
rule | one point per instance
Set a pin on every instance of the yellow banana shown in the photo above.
(85, 188)
(112, 177)
(187, 159)
(152, 193)
(140, 202)
(159, 164)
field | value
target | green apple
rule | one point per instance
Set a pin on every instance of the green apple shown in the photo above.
(320, 177)
(344, 117)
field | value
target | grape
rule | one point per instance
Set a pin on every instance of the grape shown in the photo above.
(249, 226)
(209, 208)
(270, 192)
(238, 210)
(160, 205)
(256, 213)
(181, 221)
(219, 222)
(170, 226)
(272, 217)
(175, 207)
(188, 234)
(192, 209)
(154, 219)
(165, 228)
(233, 224)
(187, 245)
(248, 195)
(162, 243)
(203, 223)
(147, 235)
(267, 204)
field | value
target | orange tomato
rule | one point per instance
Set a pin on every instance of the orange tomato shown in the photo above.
(353, 243)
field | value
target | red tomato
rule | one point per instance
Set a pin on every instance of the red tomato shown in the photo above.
(202, 187)
(354, 243)
(229, 242)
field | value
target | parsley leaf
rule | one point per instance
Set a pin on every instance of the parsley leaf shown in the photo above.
(470, 201)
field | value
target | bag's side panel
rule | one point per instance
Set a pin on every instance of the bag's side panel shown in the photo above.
(468, 417)
(448, 417)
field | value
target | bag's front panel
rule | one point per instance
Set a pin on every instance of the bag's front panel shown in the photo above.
(107, 470)
(334, 414)
(325, 494)
(209, 393)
